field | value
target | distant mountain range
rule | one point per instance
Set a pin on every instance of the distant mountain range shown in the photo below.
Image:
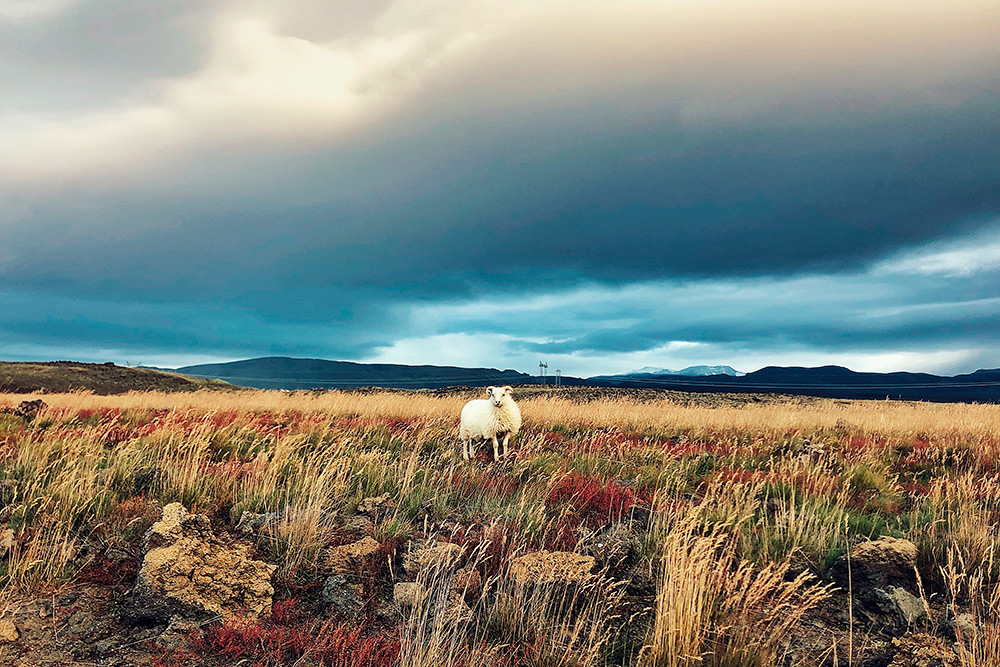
(288, 373)
(832, 382)
(827, 381)
(689, 371)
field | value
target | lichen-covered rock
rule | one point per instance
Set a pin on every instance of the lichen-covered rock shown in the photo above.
(408, 594)
(882, 576)
(922, 650)
(342, 597)
(348, 557)
(251, 523)
(188, 571)
(8, 631)
(431, 554)
(542, 567)
(468, 583)
(877, 564)
(377, 507)
(178, 633)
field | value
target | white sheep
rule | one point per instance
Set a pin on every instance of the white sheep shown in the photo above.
(488, 419)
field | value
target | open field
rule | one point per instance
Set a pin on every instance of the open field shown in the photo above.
(720, 528)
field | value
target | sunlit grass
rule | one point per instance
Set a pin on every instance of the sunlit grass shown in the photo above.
(776, 485)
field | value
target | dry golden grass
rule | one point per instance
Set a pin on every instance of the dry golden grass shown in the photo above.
(741, 492)
(714, 608)
(883, 418)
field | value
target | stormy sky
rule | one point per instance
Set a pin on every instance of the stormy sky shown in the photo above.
(602, 186)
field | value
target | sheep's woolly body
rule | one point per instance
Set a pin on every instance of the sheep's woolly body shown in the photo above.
(483, 420)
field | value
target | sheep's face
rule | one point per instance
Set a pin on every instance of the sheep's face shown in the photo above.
(497, 394)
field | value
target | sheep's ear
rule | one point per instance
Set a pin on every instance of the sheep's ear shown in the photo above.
(489, 390)
(509, 389)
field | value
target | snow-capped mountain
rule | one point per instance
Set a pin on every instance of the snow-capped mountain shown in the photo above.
(689, 371)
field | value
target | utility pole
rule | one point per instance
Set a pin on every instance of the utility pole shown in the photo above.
(541, 370)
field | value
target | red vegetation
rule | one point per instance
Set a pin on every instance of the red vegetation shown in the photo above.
(289, 636)
(108, 572)
(591, 501)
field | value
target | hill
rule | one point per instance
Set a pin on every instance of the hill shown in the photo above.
(288, 373)
(21, 377)
(823, 381)
(833, 382)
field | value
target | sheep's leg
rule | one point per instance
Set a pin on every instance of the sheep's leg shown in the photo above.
(496, 448)
(466, 448)
(503, 448)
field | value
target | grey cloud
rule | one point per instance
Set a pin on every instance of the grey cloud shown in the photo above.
(97, 51)
(320, 21)
(528, 166)
(743, 201)
(158, 328)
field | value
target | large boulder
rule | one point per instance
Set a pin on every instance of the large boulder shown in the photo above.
(877, 564)
(189, 572)
(882, 574)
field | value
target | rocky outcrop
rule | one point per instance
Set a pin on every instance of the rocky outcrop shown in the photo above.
(28, 410)
(543, 567)
(341, 597)
(377, 507)
(420, 557)
(349, 557)
(882, 574)
(8, 631)
(407, 594)
(189, 572)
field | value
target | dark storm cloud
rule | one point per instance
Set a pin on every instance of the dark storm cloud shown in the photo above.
(557, 153)
(40, 322)
(754, 200)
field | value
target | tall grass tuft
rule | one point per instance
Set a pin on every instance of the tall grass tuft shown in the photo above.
(712, 608)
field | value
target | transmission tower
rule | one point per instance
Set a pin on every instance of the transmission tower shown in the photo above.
(558, 377)
(541, 370)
